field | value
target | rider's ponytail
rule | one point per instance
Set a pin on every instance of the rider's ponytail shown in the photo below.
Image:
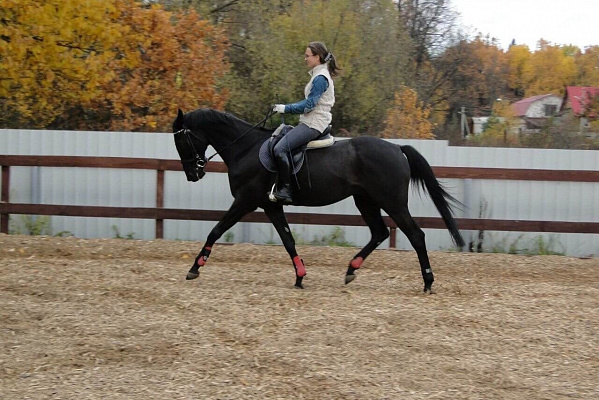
(325, 56)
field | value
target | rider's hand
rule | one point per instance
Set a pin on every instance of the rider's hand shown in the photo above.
(279, 108)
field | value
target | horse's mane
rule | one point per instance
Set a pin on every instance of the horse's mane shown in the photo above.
(203, 117)
(208, 116)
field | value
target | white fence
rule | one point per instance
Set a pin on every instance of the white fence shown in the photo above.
(498, 199)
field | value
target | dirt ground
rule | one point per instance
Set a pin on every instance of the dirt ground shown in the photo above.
(115, 319)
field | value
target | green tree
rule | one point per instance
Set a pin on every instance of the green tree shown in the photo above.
(357, 32)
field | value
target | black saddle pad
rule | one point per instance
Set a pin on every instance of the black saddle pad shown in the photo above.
(267, 158)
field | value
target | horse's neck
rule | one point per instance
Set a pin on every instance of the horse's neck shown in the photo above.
(235, 141)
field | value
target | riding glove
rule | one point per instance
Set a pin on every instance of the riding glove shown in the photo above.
(279, 108)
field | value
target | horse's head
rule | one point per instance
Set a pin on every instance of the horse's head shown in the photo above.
(191, 148)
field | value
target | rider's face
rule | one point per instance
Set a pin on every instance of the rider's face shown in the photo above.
(311, 59)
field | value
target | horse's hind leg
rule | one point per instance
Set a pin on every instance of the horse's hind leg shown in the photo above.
(416, 236)
(372, 216)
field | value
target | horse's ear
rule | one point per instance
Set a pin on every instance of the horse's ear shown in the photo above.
(178, 123)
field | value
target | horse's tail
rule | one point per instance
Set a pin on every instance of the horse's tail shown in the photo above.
(423, 176)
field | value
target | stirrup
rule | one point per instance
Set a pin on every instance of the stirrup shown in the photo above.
(271, 195)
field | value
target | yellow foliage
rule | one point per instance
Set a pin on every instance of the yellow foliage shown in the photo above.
(408, 118)
(518, 59)
(128, 67)
(551, 69)
(178, 68)
(588, 67)
(53, 55)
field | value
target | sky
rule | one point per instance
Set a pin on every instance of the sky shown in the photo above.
(557, 21)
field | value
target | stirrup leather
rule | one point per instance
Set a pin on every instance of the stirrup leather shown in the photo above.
(271, 195)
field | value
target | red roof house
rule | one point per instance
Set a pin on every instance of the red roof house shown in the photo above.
(534, 112)
(540, 106)
(579, 98)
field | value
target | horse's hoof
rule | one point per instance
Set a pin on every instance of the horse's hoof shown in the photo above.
(192, 275)
(298, 286)
(429, 290)
(349, 278)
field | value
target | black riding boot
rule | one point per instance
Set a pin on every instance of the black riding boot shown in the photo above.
(283, 192)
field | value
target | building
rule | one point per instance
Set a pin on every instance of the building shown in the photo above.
(534, 112)
(582, 102)
(478, 124)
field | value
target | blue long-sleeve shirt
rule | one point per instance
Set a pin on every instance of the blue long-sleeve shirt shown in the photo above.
(319, 85)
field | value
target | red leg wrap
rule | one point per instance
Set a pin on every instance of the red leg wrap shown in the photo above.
(356, 262)
(202, 260)
(299, 266)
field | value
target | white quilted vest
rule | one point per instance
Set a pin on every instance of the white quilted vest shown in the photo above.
(320, 117)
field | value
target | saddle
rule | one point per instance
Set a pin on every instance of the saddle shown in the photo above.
(298, 155)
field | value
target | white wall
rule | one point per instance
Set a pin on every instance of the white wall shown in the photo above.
(553, 201)
(537, 109)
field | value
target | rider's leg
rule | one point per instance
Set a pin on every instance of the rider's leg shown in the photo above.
(283, 192)
(295, 138)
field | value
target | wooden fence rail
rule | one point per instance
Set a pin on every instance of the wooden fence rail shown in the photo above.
(159, 213)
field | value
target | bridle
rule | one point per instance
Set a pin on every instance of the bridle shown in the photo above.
(201, 161)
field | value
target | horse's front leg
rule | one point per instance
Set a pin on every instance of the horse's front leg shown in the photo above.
(277, 217)
(231, 217)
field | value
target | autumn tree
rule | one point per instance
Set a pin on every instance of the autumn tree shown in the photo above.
(587, 63)
(518, 61)
(475, 73)
(408, 117)
(551, 69)
(437, 53)
(120, 64)
(54, 55)
(179, 68)
(100, 64)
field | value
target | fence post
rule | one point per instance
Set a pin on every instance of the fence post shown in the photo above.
(159, 234)
(470, 204)
(392, 237)
(5, 197)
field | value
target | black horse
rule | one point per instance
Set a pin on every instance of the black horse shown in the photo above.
(375, 172)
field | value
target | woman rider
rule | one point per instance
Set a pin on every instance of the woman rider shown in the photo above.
(315, 112)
